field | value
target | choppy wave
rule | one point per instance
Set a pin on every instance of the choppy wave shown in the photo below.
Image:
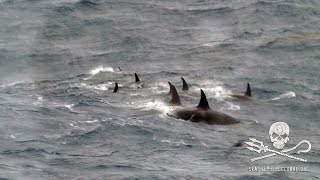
(156, 105)
(58, 59)
(11, 84)
(102, 87)
(285, 95)
(100, 69)
(175, 143)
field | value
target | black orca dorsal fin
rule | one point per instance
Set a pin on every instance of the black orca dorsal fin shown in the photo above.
(203, 104)
(115, 88)
(137, 78)
(175, 96)
(170, 88)
(185, 85)
(248, 92)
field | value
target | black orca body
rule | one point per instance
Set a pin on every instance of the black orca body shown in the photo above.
(175, 100)
(116, 87)
(246, 95)
(137, 81)
(136, 77)
(185, 86)
(201, 113)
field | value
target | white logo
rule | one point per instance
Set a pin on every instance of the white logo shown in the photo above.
(279, 136)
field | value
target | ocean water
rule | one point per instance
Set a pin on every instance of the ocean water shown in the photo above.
(59, 61)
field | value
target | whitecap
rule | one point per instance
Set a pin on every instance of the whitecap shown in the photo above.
(286, 95)
(39, 100)
(156, 105)
(12, 84)
(100, 69)
(218, 92)
(102, 87)
(233, 107)
(93, 121)
(176, 143)
(160, 88)
(210, 44)
(69, 106)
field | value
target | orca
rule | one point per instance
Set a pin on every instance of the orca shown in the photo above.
(138, 82)
(246, 95)
(201, 113)
(136, 77)
(175, 100)
(170, 89)
(185, 85)
(115, 88)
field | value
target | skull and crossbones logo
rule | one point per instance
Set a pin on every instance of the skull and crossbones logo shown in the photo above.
(279, 136)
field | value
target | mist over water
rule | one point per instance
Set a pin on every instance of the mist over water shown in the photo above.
(59, 62)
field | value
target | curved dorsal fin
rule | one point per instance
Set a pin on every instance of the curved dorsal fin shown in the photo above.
(170, 89)
(203, 104)
(248, 92)
(185, 85)
(115, 88)
(175, 96)
(137, 78)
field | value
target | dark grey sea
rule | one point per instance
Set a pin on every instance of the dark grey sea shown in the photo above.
(59, 62)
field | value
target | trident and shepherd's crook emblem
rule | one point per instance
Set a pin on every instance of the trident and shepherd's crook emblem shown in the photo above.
(279, 136)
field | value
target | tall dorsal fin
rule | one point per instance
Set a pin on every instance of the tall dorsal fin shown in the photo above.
(203, 104)
(137, 78)
(175, 96)
(170, 89)
(115, 88)
(248, 92)
(185, 85)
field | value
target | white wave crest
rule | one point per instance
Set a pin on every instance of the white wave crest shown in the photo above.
(211, 44)
(233, 107)
(92, 122)
(175, 143)
(160, 87)
(102, 87)
(100, 69)
(218, 92)
(285, 95)
(155, 105)
(11, 84)
(39, 100)
(69, 106)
